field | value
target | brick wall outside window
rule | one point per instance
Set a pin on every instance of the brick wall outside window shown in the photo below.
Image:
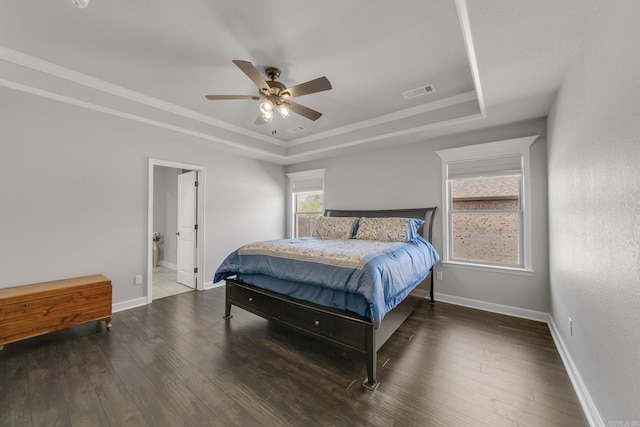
(486, 236)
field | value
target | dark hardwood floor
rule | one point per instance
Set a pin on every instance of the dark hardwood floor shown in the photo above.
(178, 363)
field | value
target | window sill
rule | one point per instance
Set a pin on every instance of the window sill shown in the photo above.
(492, 268)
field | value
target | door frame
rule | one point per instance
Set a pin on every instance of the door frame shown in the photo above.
(200, 233)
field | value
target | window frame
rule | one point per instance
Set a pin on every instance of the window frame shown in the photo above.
(490, 151)
(314, 178)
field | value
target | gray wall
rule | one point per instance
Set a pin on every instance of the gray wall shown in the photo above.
(410, 176)
(165, 211)
(594, 210)
(73, 194)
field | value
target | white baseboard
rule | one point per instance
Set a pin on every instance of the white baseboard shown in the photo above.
(211, 285)
(495, 308)
(138, 302)
(589, 408)
(168, 265)
(126, 305)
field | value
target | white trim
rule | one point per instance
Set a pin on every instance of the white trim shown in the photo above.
(378, 137)
(465, 26)
(386, 118)
(133, 117)
(314, 173)
(489, 150)
(488, 267)
(200, 256)
(589, 408)
(126, 305)
(260, 151)
(51, 69)
(170, 265)
(523, 313)
(211, 285)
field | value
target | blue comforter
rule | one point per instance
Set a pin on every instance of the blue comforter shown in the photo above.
(383, 273)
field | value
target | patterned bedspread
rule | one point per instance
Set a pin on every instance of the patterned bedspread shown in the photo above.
(340, 253)
(382, 273)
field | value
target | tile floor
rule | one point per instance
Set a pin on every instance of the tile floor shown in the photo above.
(165, 284)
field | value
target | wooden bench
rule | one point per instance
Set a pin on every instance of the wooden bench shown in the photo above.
(31, 310)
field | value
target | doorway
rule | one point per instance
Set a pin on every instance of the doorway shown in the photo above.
(175, 215)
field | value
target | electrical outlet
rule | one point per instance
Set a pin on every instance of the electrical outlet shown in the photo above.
(138, 279)
(438, 275)
(570, 326)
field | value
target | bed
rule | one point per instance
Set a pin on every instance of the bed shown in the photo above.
(352, 315)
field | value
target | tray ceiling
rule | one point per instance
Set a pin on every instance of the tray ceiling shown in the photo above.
(153, 61)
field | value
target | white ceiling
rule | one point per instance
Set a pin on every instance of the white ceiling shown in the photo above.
(492, 62)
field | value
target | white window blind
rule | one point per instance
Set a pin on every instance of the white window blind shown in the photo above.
(493, 166)
(307, 184)
(311, 180)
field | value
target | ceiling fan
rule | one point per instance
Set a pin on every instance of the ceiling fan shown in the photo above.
(276, 96)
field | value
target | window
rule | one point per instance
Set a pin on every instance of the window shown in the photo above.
(486, 204)
(307, 200)
(308, 208)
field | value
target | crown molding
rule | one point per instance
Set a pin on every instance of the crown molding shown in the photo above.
(117, 113)
(465, 26)
(76, 77)
(387, 118)
(355, 142)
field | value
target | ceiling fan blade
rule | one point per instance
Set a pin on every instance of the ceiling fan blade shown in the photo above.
(251, 72)
(318, 85)
(217, 97)
(303, 111)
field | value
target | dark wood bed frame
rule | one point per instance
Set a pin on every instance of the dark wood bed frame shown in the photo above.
(340, 327)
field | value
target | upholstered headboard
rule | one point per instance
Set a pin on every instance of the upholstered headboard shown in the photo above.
(425, 214)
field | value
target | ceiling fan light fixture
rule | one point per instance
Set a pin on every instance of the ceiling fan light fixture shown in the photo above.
(284, 111)
(267, 116)
(266, 106)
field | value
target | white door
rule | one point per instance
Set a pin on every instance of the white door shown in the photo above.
(187, 200)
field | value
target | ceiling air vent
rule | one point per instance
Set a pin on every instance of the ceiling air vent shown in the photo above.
(296, 129)
(420, 91)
